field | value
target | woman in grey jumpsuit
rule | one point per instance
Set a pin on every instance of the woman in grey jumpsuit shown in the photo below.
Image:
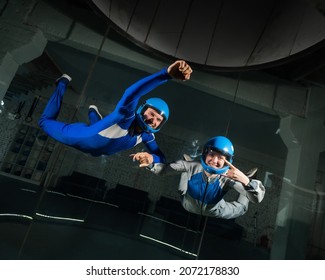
(203, 184)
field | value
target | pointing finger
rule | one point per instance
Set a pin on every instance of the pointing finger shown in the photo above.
(230, 165)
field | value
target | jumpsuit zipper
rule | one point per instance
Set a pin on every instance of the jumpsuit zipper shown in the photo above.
(205, 192)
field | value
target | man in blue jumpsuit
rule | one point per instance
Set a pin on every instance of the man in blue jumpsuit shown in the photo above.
(125, 127)
(203, 184)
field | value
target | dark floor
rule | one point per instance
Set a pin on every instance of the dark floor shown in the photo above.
(57, 225)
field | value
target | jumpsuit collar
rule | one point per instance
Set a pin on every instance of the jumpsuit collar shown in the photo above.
(210, 179)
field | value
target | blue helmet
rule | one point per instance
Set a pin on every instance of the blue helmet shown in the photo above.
(155, 103)
(219, 144)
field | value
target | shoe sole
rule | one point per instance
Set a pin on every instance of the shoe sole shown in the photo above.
(251, 172)
(95, 109)
(187, 157)
(64, 76)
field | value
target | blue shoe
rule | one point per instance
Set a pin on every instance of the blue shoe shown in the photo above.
(64, 78)
(93, 114)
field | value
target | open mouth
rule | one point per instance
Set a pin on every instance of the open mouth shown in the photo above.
(214, 165)
(150, 123)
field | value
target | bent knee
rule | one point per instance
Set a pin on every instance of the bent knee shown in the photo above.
(41, 122)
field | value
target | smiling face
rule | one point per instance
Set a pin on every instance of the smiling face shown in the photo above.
(152, 118)
(215, 159)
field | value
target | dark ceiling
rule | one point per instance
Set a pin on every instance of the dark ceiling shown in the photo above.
(265, 47)
(284, 38)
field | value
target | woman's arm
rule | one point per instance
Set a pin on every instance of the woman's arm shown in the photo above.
(254, 191)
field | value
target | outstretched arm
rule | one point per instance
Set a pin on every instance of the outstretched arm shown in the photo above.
(147, 160)
(179, 70)
(156, 155)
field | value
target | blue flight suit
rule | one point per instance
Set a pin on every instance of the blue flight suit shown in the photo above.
(112, 134)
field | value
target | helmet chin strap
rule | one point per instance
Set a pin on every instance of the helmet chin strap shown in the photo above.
(212, 170)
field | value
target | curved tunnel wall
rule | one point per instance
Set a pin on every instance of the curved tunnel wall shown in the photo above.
(221, 34)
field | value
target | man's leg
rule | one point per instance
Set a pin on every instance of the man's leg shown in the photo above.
(47, 122)
(53, 106)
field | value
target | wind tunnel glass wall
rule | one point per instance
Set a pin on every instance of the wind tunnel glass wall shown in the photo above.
(60, 203)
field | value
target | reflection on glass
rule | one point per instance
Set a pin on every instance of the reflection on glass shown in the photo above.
(58, 203)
